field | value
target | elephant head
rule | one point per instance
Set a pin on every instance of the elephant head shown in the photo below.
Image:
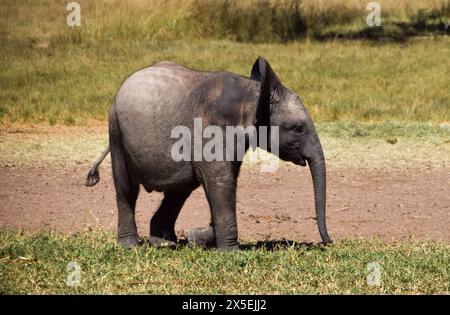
(298, 139)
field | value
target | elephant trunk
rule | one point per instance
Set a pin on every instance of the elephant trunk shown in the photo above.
(318, 174)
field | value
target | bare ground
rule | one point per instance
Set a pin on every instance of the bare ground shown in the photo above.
(389, 204)
(376, 189)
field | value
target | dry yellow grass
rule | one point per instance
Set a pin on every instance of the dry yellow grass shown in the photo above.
(181, 19)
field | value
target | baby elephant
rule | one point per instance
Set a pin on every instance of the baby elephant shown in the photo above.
(158, 103)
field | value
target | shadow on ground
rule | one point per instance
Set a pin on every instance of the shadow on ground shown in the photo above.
(392, 32)
(270, 245)
(273, 245)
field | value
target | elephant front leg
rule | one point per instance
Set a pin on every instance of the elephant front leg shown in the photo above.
(225, 228)
(221, 195)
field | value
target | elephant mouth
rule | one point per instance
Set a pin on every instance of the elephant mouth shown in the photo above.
(293, 155)
(299, 159)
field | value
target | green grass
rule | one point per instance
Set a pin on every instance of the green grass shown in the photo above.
(338, 81)
(384, 130)
(37, 263)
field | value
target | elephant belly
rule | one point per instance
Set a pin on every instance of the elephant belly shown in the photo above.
(179, 180)
(149, 105)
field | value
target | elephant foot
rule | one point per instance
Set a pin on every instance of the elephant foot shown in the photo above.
(130, 241)
(161, 242)
(201, 236)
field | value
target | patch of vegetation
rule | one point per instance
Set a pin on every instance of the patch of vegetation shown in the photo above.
(54, 74)
(37, 263)
(384, 130)
(338, 81)
(282, 21)
(245, 21)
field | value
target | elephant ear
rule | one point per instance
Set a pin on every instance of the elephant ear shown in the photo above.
(263, 73)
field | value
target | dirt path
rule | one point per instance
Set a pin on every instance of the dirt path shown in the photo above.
(389, 204)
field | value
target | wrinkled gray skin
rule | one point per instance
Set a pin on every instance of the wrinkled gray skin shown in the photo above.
(152, 101)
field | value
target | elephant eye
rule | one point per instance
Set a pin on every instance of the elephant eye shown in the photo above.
(300, 128)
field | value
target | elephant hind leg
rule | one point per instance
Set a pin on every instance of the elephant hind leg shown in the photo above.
(162, 224)
(127, 190)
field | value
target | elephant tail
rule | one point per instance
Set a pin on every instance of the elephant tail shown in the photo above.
(93, 176)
